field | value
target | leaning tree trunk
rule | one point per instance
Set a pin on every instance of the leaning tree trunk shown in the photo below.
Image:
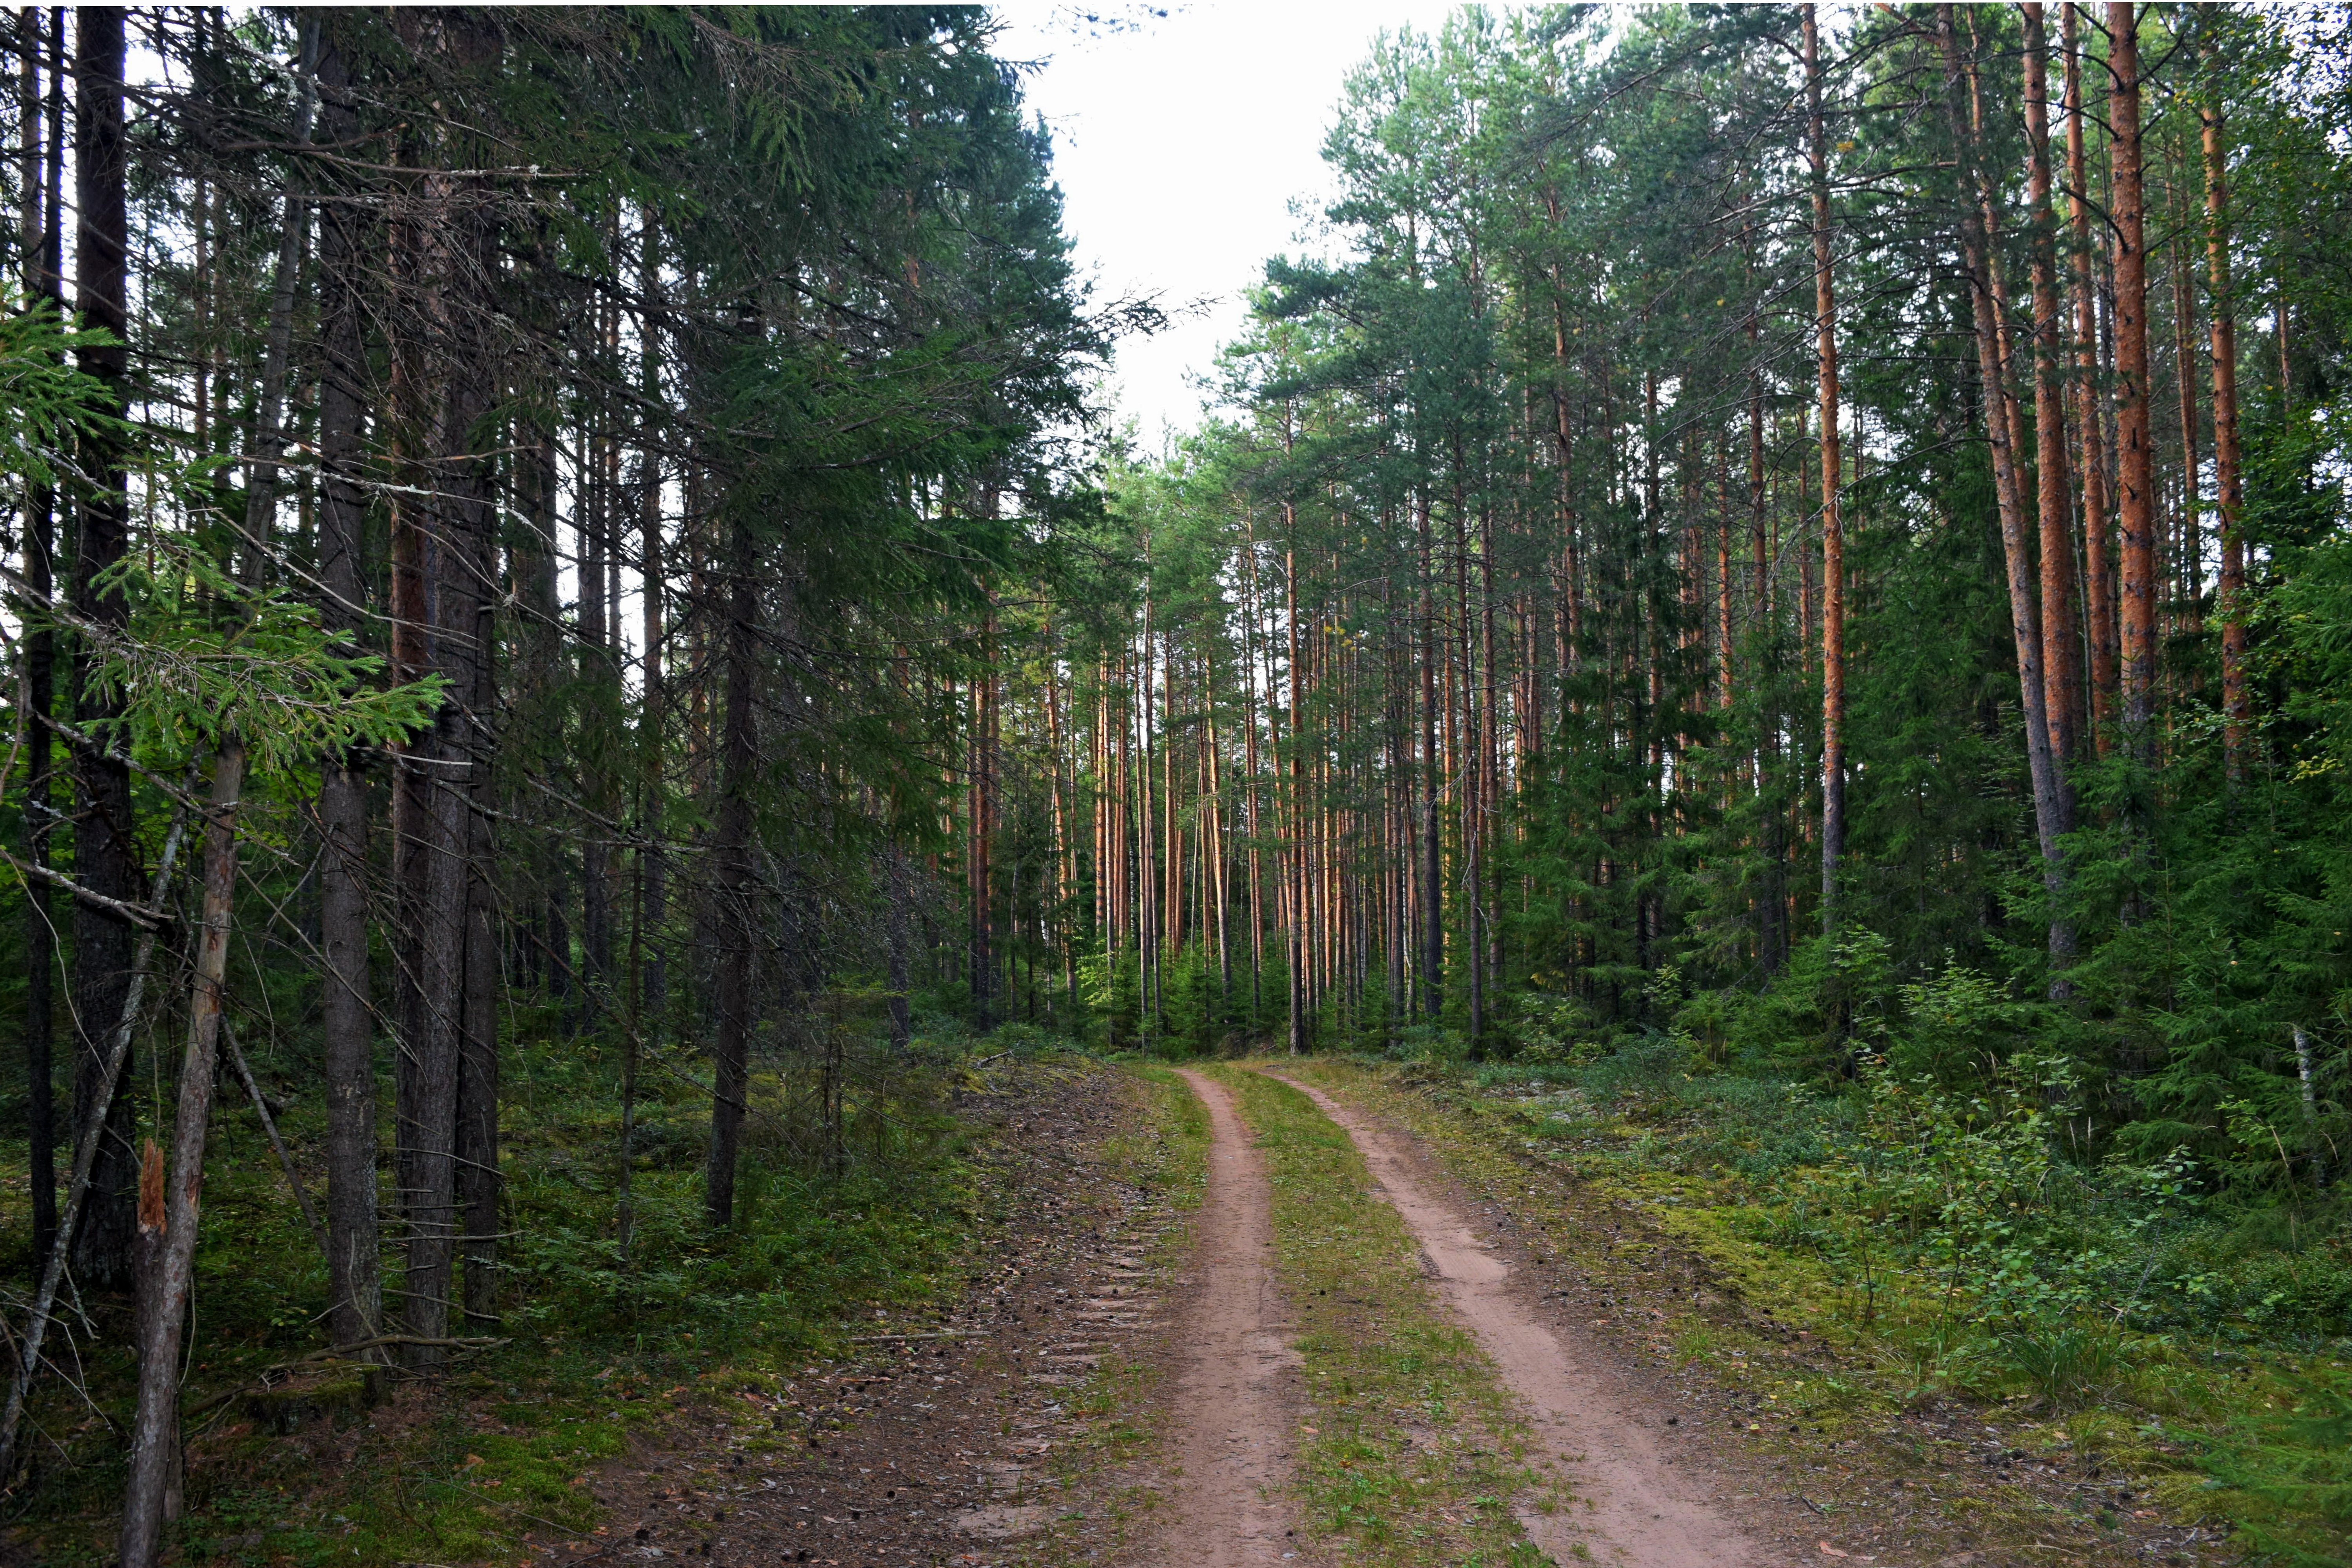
(167, 1219)
(1977, 237)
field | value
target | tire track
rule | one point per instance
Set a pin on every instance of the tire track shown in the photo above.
(1643, 1510)
(1234, 1392)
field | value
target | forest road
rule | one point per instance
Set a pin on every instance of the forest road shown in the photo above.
(1235, 1394)
(1646, 1511)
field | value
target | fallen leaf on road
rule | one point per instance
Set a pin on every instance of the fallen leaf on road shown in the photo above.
(1829, 1551)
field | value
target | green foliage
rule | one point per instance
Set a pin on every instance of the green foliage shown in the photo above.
(205, 658)
(46, 404)
(2288, 1476)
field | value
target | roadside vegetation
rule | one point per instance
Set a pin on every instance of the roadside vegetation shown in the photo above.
(1950, 1253)
(872, 1221)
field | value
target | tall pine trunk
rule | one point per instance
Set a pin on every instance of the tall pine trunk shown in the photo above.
(2237, 710)
(1833, 522)
(2062, 664)
(355, 1309)
(1978, 237)
(2134, 466)
(2098, 566)
(105, 856)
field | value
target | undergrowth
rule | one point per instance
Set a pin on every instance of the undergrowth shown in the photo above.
(863, 1202)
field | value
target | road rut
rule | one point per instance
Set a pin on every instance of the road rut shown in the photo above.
(1644, 1510)
(1233, 1392)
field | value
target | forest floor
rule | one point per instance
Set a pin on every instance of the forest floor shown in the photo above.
(1282, 1311)
(1300, 1312)
(1003, 1427)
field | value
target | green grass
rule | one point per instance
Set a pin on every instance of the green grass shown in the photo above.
(1414, 1453)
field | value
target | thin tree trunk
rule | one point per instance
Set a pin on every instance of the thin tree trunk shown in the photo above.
(2135, 461)
(88, 1142)
(2236, 707)
(356, 1308)
(1833, 522)
(731, 855)
(2098, 572)
(1432, 781)
(277, 1144)
(268, 419)
(653, 900)
(2189, 547)
(1978, 239)
(983, 830)
(2062, 666)
(1294, 856)
(38, 175)
(168, 1224)
(898, 918)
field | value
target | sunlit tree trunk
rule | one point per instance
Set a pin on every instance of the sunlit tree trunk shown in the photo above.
(2062, 666)
(2236, 707)
(2134, 471)
(1832, 524)
(2099, 589)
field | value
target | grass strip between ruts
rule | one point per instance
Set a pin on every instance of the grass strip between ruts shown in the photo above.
(1413, 1452)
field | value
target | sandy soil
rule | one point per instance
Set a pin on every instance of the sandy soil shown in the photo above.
(1645, 1507)
(1234, 1395)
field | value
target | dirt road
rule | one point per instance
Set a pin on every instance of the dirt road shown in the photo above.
(1232, 1394)
(1645, 1509)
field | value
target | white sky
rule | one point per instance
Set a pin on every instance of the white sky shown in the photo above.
(1180, 146)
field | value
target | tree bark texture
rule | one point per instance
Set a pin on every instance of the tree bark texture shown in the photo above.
(1833, 521)
(2099, 587)
(2134, 460)
(2062, 664)
(1978, 240)
(105, 857)
(355, 1309)
(167, 1220)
